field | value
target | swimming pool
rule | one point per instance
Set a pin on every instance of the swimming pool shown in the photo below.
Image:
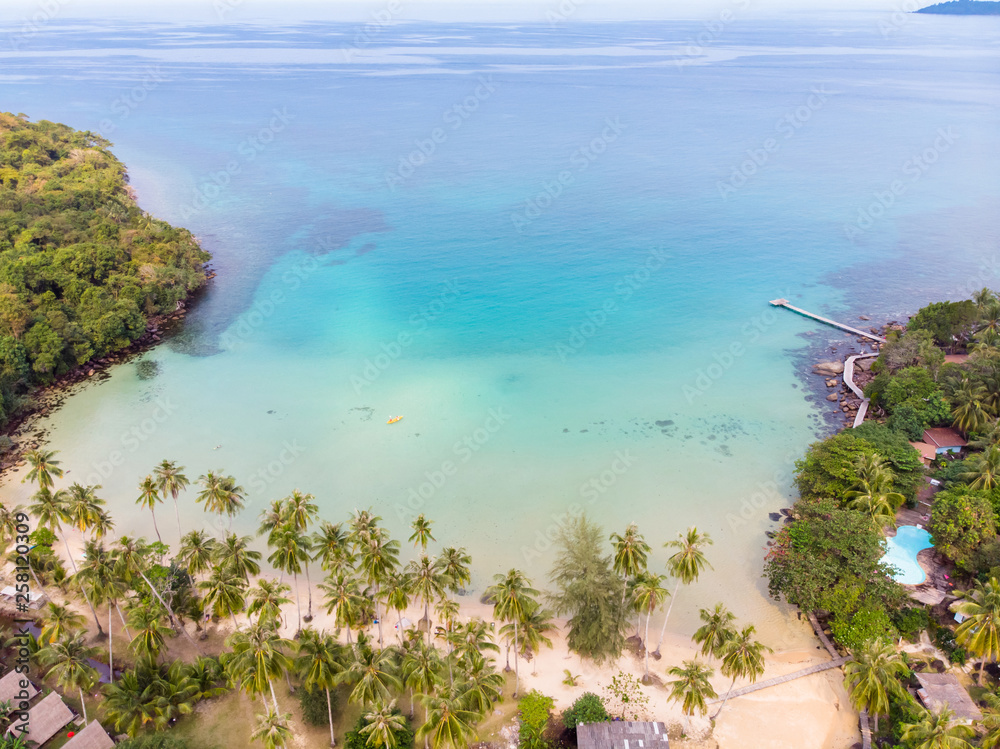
(901, 553)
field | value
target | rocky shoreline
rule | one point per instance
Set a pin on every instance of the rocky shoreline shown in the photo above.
(24, 431)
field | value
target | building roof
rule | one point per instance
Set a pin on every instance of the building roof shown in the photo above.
(621, 734)
(943, 437)
(927, 452)
(45, 719)
(92, 737)
(955, 358)
(944, 690)
(10, 685)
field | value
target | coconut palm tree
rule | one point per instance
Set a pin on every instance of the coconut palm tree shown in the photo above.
(8, 524)
(691, 687)
(980, 631)
(480, 685)
(397, 597)
(149, 497)
(342, 593)
(273, 518)
(449, 724)
(421, 532)
(220, 494)
(319, 665)
(225, 593)
(379, 557)
(267, 599)
(631, 556)
(290, 551)
(421, 671)
(170, 480)
(716, 631)
(84, 508)
(984, 469)
(685, 565)
(257, 656)
(475, 635)
(649, 596)
(272, 729)
(512, 596)
(58, 622)
(197, 552)
(533, 627)
(936, 731)
(68, 661)
(235, 556)
(363, 524)
(381, 726)
(150, 632)
(51, 510)
(131, 559)
(454, 563)
(373, 673)
(331, 546)
(873, 494)
(428, 583)
(967, 410)
(742, 657)
(99, 572)
(872, 675)
(990, 723)
(302, 511)
(44, 467)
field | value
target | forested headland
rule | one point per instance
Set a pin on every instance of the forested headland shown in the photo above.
(82, 267)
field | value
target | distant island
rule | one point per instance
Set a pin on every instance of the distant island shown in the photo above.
(964, 8)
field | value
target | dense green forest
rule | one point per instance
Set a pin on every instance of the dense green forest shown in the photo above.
(82, 267)
(964, 8)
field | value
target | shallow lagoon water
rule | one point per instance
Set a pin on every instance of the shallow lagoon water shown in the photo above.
(536, 246)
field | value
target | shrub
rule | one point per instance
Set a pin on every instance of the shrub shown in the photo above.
(314, 706)
(589, 708)
(534, 711)
(910, 622)
(869, 623)
(961, 520)
(945, 640)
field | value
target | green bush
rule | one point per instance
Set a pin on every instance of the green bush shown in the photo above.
(962, 519)
(910, 622)
(945, 640)
(534, 711)
(314, 708)
(589, 708)
(869, 623)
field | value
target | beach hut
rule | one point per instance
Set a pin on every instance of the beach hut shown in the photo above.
(35, 600)
(92, 737)
(622, 734)
(944, 440)
(44, 720)
(11, 691)
(927, 452)
(938, 691)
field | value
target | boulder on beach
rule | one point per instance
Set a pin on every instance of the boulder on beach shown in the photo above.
(832, 397)
(829, 368)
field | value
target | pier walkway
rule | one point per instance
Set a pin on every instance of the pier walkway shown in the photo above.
(819, 667)
(787, 305)
(849, 381)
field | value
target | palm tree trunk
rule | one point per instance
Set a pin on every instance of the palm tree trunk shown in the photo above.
(309, 588)
(177, 512)
(427, 618)
(275, 699)
(170, 611)
(329, 714)
(122, 617)
(298, 607)
(83, 588)
(728, 692)
(876, 722)
(111, 650)
(663, 631)
(155, 528)
(517, 676)
(645, 644)
(83, 705)
(378, 616)
(982, 665)
(399, 626)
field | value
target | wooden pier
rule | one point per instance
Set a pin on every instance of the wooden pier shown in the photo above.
(818, 668)
(786, 304)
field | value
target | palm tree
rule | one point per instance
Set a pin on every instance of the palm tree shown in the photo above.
(197, 551)
(716, 631)
(381, 726)
(58, 622)
(421, 532)
(220, 494)
(257, 656)
(8, 524)
(84, 508)
(149, 496)
(224, 593)
(51, 510)
(980, 631)
(872, 675)
(691, 688)
(968, 412)
(631, 556)
(272, 729)
(397, 597)
(533, 627)
(236, 557)
(481, 686)
(171, 480)
(272, 519)
(319, 665)
(512, 596)
(373, 673)
(984, 469)
(449, 724)
(742, 657)
(454, 563)
(428, 583)
(99, 571)
(150, 632)
(331, 547)
(267, 599)
(343, 600)
(686, 564)
(43, 467)
(421, 671)
(379, 559)
(935, 731)
(990, 722)
(873, 493)
(649, 596)
(131, 559)
(290, 550)
(302, 510)
(68, 660)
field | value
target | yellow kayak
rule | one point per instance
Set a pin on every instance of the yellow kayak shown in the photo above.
(394, 419)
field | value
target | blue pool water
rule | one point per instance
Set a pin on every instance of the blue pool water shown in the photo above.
(901, 553)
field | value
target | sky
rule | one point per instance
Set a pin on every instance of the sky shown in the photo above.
(236, 11)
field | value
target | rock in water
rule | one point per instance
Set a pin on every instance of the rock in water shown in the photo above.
(829, 368)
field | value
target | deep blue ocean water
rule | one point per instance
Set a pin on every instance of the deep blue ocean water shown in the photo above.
(549, 247)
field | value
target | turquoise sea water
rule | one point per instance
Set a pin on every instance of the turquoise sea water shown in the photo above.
(901, 553)
(550, 248)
